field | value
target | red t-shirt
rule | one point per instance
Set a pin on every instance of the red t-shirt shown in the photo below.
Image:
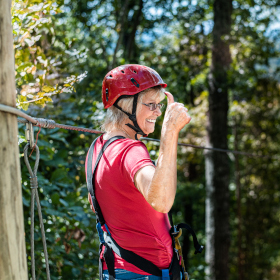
(132, 221)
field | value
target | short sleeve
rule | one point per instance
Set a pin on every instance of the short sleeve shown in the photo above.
(136, 157)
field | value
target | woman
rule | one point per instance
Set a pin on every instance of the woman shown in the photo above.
(133, 194)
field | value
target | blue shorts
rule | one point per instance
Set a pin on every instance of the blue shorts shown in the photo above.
(122, 274)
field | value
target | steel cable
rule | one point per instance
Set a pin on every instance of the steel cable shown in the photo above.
(45, 123)
(35, 195)
(211, 149)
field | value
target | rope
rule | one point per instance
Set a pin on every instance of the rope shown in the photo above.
(45, 123)
(35, 195)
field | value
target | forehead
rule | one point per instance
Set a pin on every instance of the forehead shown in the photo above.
(152, 96)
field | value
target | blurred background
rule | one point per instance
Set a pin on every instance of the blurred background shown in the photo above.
(221, 59)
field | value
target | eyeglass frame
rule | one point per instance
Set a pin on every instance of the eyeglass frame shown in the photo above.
(159, 105)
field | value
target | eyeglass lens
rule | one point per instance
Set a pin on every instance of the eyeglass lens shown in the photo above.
(153, 106)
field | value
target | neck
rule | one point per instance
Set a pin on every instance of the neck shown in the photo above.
(127, 133)
(123, 131)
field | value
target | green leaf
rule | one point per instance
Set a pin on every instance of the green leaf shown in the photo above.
(62, 201)
(58, 175)
(47, 89)
(55, 198)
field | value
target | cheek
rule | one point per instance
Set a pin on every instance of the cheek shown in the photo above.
(140, 114)
(139, 110)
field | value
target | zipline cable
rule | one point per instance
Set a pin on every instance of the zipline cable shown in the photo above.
(212, 149)
(46, 123)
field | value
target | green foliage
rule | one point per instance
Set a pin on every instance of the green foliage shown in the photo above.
(38, 71)
(55, 41)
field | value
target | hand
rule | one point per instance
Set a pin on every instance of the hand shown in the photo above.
(176, 115)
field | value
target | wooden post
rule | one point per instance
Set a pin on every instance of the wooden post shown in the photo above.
(12, 240)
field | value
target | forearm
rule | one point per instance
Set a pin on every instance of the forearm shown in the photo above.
(158, 185)
(162, 189)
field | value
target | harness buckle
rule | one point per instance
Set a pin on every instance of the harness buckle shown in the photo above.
(176, 232)
(177, 253)
(165, 274)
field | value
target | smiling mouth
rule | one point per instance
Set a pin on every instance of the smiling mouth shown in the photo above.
(150, 120)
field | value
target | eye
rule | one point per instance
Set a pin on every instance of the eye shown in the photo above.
(152, 106)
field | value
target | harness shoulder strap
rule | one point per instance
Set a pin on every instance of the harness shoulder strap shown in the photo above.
(91, 175)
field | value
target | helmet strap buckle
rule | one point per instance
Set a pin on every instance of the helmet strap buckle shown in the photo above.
(132, 117)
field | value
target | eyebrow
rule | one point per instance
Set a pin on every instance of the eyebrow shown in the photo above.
(153, 101)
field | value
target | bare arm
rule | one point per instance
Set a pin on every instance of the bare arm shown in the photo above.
(158, 185)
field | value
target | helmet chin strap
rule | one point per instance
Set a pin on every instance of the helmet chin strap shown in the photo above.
(132, 117)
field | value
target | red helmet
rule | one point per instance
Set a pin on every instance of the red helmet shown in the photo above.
(128, 79)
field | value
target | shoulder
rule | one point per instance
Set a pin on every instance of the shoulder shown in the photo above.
(125, 144)
(132, 146)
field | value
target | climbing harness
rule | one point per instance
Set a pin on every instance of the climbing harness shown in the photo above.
(111, 245)
(34, 195)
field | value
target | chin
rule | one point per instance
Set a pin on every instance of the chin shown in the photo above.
(149, 132)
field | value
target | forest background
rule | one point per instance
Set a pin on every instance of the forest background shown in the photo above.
(63, 49)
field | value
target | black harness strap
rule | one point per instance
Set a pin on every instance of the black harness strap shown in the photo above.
(91, 175)
(128, 256)
(197, 246)
(108, 253)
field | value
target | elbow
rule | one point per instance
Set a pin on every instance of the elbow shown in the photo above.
(161, 202)
(161, 207)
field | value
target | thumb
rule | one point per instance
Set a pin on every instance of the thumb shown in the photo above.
(170, 98)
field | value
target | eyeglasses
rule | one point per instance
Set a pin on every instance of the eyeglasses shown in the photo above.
(153, 106)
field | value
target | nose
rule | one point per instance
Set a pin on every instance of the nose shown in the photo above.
(157, 112)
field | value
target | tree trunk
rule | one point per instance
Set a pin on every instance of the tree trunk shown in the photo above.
(217, 165)
(123, 16)
(12, 241)
(131, 52)
(238, 202)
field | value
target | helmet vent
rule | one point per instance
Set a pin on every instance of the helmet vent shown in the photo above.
(111, 76)
(122, 71)
(134, 82)
(134, 71)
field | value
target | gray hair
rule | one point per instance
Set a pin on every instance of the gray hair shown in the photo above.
(115, 118)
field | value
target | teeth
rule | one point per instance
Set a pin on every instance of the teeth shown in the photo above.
(152, 121)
